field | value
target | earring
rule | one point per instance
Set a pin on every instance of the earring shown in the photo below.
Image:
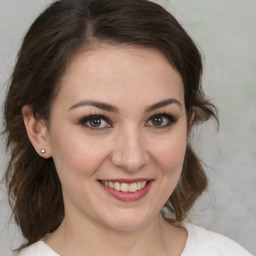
(43, 151)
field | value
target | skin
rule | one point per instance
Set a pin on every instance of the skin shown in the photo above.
(128, 145)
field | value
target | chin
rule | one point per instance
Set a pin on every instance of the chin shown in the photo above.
(129, 220)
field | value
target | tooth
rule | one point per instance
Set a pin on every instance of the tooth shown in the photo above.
(124, 187)
(110, 184)
(117, 186)
(143, 184)
(133, 187)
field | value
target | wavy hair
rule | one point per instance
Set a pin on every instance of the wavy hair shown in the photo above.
(63, 29)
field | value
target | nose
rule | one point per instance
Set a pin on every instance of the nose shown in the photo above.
(129, 151)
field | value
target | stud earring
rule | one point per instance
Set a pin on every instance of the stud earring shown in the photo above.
(43, 151)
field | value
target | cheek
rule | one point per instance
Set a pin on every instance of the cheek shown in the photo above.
(76, 155)
(170, 154)
(77, 161)
(168, 160)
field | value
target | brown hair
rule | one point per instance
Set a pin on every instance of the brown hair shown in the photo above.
(64, 28)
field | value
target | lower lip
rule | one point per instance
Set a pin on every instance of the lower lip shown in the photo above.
(128, 196)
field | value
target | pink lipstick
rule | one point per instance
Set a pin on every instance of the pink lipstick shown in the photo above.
(127, 190)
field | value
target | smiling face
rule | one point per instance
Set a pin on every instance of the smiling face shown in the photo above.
(118, 134)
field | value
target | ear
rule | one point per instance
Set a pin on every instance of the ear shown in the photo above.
(37, 132)
(191, 117)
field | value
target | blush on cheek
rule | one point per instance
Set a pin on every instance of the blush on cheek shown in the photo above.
(172, 152)
(172, 164)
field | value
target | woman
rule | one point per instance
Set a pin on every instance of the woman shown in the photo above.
(101, 104)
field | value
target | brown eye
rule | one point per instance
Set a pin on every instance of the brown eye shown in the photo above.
(95, 122)
(161, 120)
(157, 121)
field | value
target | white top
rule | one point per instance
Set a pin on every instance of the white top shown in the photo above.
(200, 242)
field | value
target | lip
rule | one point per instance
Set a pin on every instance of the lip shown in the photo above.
(128, 181)
(128, 196)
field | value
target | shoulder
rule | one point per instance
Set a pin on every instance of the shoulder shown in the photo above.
(38, 249)
(201, 242)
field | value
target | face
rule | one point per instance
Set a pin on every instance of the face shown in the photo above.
(118, 134)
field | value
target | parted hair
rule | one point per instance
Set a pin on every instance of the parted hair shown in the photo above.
(62, 30)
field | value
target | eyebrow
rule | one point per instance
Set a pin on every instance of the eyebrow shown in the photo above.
(111, 108)
(162, 104)
(97, 104)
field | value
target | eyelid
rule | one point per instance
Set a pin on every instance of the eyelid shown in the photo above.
(171, 120)
(89, 117)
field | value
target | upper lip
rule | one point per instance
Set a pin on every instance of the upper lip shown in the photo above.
(128, 181)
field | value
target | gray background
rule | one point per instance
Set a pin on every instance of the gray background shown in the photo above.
(226, 34)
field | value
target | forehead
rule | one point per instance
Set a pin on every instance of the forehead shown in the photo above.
(109, 71)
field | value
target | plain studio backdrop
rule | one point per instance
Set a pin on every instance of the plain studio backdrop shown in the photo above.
(226, 34)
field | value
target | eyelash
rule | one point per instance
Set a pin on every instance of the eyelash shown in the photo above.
(90, 117)
(170, 120)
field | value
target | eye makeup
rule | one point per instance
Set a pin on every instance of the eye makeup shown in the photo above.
(100, 122)
(161, 120)
(95, 122)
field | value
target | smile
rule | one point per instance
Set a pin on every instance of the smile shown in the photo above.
(125, 187)
(127, 190)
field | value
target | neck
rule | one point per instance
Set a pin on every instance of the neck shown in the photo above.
(89, 237)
